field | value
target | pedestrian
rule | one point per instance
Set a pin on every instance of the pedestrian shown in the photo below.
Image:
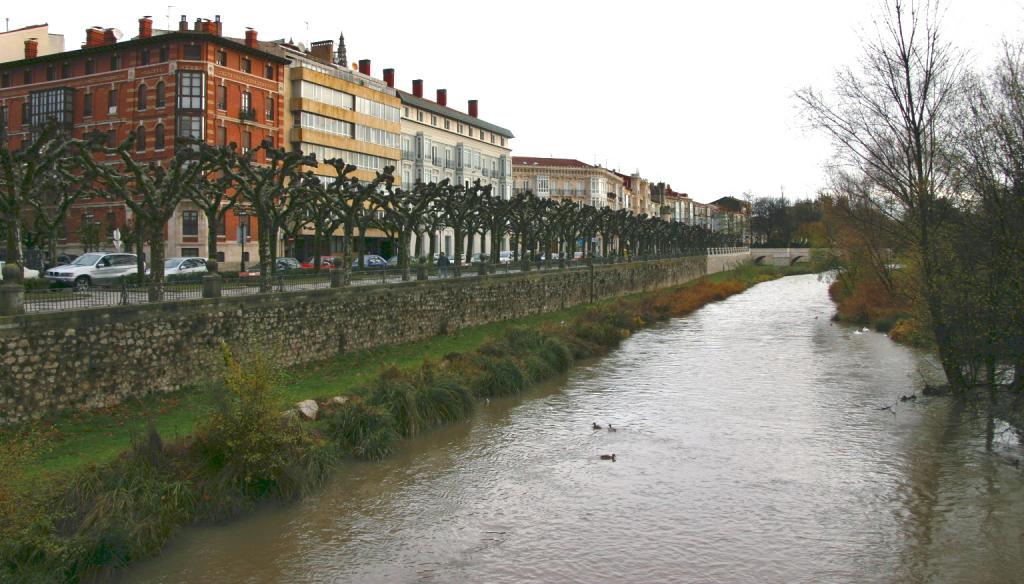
(442, 265)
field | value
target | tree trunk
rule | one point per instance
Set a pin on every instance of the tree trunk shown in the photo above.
(457, 260)
(433, 247)
(14, 239)
(316, 251)
(51, 245)
(403, 254)
(156, 265)
(265, 257)
(211, 234)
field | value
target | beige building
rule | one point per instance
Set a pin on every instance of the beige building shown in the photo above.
(568, 178)
(35, 39)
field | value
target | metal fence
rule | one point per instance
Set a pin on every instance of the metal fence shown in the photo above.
(130, 292)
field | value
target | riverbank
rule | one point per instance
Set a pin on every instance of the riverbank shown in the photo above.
(80, 503)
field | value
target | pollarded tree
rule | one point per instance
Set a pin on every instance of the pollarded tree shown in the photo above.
(495, 215)
(349, 199)
(460, 207)
(153, 191)
(271, 190)
(404, 211)
(26, 175)
(214, 196)
(50, 209)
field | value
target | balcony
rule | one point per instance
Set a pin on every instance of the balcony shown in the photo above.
(247, 114)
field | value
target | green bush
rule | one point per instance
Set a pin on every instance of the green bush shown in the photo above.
(498, 377)
(363, 430)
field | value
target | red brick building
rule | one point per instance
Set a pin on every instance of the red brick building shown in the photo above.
(160, 84)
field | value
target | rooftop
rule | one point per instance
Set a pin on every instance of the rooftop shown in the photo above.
(558, 162)
(431, 106)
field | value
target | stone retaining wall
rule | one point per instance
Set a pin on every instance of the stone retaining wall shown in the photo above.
(99, 357)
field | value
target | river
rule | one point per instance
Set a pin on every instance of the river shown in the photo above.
(751, 447)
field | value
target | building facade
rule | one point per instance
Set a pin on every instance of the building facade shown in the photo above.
(568, 178)
(37, 36)
(157, 86)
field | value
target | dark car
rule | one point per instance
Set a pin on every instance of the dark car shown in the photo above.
(287, 264)
(371, 261)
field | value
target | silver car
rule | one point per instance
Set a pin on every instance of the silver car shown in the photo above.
(94, 268)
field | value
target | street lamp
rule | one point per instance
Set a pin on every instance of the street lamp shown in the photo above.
(243, 231)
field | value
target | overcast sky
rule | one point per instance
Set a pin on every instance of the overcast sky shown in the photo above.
(696, 94)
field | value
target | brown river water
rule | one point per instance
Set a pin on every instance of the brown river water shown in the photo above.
(750, 448)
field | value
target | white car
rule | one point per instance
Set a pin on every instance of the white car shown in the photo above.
(94, 268)
(184, 265)
(27, 273)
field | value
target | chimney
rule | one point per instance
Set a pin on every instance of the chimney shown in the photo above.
(322, 51)
(198, 26)
(389, 77)
(183, 25)
(31, 48)
(473, 108)
(93, 37)
(364, 66)
(218, 26)
(108, 37)
(417, 87)
(145, 27)
(442, 97)
(250, 38)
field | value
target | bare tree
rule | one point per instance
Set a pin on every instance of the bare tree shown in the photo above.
(891, 123)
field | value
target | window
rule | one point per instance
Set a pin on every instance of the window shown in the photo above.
(326, 95)
(222, 136)
(160, 95)
(90, 66)
(144, 57)
(460, 128)
(246, 141)
(503, 141)
(141, 97)
(247, 111)
(193, 52)
(419, 116)
(5, 79)
(191, 90)
(26, 77)
(51, 104)
(268, 72)
(220, 256)
(222, 97)
(87, 104)
(190, 252)
(247, 64)
(112, 101)
(51, 73)
(377, 109)
(447, 124)
(492, 138)
(115, 62)
(222, 57)
(433, 120)
(190, 126)
(65, 70)
(140, 139)
(189, 224)
(165, 53)
(406, 112)
(158, 137)
(269, 107)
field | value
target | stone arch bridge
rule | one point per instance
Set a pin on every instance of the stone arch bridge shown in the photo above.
(779, 256)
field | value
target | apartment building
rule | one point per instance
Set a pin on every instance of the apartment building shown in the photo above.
(440, 142)
(568, 178)
(12, 42)
(336, 111)
(159, 85)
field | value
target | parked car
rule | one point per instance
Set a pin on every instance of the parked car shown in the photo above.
(505, 257)
(94, 268)
(183, 265)
(26, 273)
(393, 261)
(326, 262)
(371, 261)
(287, 264)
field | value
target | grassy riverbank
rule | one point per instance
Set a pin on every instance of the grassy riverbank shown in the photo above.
(89, 492)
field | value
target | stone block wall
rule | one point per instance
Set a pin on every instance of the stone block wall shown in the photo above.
(99, 357)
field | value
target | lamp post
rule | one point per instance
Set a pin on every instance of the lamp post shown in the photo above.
(243, 231)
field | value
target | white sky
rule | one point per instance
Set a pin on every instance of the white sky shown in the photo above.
(696, 94)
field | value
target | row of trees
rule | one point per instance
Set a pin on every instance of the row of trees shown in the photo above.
(930, 164)
(779, 222)
(41, 182)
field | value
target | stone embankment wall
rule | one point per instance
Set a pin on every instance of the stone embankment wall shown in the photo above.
(99, 357)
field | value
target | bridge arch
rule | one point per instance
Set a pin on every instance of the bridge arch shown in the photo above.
(759, 260)
(795, 260)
